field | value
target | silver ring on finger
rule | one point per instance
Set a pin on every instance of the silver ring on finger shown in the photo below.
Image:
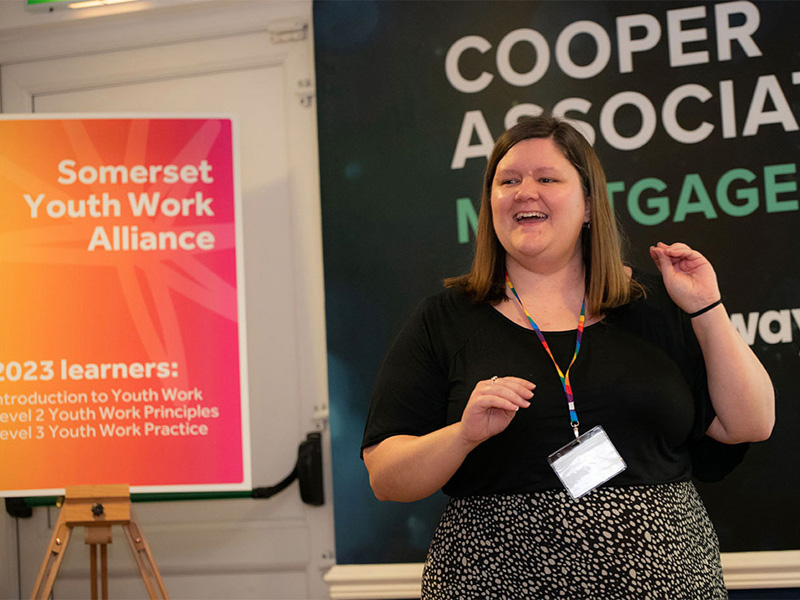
(493, 379)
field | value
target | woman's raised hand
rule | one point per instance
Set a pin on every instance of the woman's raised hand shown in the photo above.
(492, 405)
(688, 276)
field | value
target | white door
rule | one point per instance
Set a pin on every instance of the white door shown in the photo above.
(253, 60)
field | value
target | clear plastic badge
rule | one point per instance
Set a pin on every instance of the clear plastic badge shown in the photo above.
(587, 462)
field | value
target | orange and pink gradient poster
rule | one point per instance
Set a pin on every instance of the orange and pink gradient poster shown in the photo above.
(121, 309)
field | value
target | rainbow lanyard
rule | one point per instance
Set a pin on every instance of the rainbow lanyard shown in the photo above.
(573, 416)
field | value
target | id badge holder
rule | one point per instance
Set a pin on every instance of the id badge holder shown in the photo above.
(587, 462)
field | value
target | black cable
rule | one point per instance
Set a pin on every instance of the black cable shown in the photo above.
(268, 492)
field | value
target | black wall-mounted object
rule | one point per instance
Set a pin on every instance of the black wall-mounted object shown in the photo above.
(309, 470)
(16, 507)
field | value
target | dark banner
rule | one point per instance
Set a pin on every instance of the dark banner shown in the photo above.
(693, 109)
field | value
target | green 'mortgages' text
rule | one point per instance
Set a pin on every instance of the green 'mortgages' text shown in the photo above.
(650, 201)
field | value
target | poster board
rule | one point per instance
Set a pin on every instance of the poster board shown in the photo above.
(693, 111)
(122, 357)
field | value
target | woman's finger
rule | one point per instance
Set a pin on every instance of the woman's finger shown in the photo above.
(507, 395)
(488, 402)
(662, 259)
(509, 389)
(502, 393)
(681, 251)
(516, 384)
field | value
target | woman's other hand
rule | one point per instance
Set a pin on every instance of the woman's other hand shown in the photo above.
(406, 468)
(740, 387)
(688, 276)
(492, 405)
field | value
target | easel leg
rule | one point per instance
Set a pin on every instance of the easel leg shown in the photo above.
(99, 535)
(104, 570)
(52, 560)
(93, 569)
(144, 559)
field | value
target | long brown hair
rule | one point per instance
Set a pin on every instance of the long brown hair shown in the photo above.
(607, 283)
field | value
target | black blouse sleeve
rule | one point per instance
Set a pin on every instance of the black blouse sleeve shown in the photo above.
(410, 394)
(711, 460)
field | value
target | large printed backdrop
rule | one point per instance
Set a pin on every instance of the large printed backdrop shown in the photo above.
(693, 109)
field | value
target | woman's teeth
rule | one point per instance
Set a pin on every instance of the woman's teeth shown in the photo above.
(529, 215)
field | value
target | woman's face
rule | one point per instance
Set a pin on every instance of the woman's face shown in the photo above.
(538, 205)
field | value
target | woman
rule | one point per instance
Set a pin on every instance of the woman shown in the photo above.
(655, 363)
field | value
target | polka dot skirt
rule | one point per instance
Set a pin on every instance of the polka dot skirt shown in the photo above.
(645, 542)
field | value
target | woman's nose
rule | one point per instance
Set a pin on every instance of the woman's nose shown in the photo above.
(527, 190)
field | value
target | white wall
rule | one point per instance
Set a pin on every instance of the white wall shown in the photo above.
(207, 56)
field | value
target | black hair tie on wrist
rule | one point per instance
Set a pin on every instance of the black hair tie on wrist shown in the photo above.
(705, 310)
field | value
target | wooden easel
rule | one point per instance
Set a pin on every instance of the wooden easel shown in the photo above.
(97, 508)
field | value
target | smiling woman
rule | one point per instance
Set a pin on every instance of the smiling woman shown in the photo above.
(538, 206)
(568, 151)
(625, 382)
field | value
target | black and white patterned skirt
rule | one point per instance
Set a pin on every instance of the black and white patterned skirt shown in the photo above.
(644, 542)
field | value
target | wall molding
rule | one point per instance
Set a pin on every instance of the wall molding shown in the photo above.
(757, 570)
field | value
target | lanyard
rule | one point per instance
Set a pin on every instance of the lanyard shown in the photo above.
(564, 376)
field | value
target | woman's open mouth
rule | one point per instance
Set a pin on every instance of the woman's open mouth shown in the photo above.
(529, 216)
